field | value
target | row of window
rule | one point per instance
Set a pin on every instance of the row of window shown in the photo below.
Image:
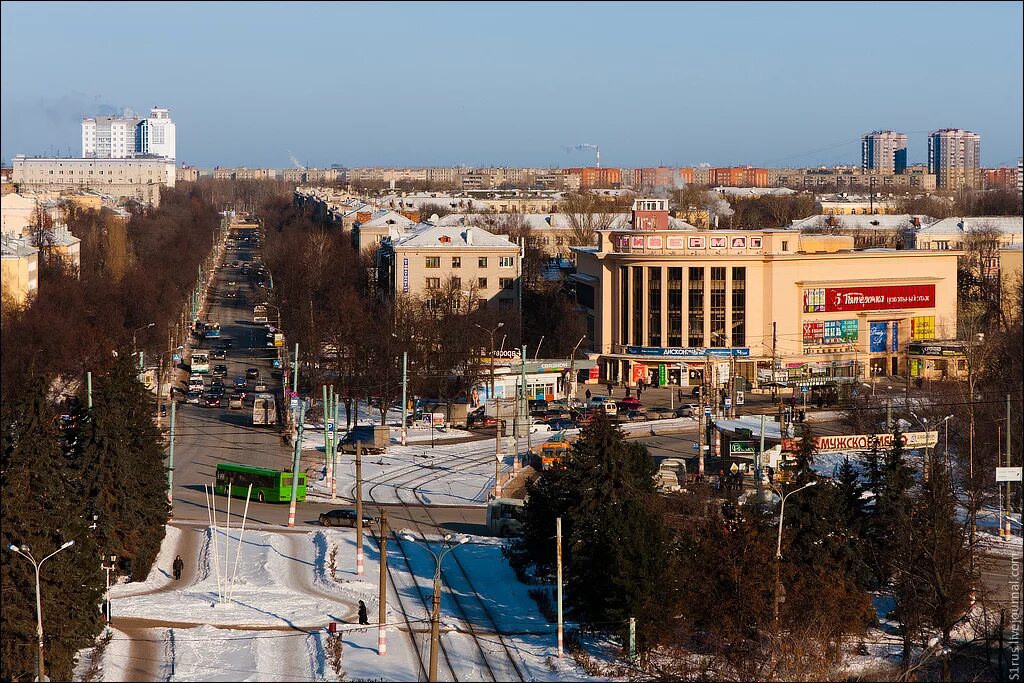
(503, 261)
(481, 282)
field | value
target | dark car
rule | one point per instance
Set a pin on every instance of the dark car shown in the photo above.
(252, 373)
(560, 423)
(632, 416)
(213, 400)
(240, 382)
(219, 354)
(344, 517)
(629, 403)
(220, 370)
(538, 405)
(555, 412)
(227, 342)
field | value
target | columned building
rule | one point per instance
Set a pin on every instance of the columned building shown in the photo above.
(774, 306)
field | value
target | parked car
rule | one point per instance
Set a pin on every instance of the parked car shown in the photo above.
(193, 397)
(632, 416)
(252, 373)
(687, 411)
(537, 405)
(629, 403)
(344, 517)
(538, 426)
(240, 382)
(660, 413)
(560, 423)
(236, 264)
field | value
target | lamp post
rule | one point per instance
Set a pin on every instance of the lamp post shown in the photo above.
(572, 368)
(491, 332)
(134, 348)
(25, 552)
(778, 548)
(435, 614)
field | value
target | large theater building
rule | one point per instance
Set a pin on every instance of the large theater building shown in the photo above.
(769, 306)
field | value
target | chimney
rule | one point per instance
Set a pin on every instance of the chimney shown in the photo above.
(469, 236)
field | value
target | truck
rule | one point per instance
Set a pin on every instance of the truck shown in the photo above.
(259, 314)
(504, 517)
(264, 410)
(373, 438)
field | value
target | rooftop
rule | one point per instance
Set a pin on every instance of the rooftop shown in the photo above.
(443, 236)
(957, 226)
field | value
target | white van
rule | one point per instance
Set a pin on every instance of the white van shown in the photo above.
(603, 403)
(196, 383)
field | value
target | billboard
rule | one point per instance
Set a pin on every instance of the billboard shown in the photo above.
(879, 333)
(833, 299)
(863, 442)
(830, 331)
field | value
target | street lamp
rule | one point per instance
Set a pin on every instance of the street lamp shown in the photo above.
(491, 332)
(778, 547)
(27, 554)
(435, 614)
(572, 368)
(134, 348)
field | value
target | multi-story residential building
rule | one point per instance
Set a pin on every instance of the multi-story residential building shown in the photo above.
(137, 178)
(845, 180)
(445, 176)
(243, 173)
(186, 173)
(109, 137)
(439, 262)
(883, 151)
(779, 306)
(155, 135)
(592, 178)
(18, 212)
(310, 175)
(739, 176)
(646, 179)
(19, 279)
(954, 158)
(851, 205)
(383, 223)
(1003, 178)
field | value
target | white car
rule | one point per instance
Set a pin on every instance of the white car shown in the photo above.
(540, 427)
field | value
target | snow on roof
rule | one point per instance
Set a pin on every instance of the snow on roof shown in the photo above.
(385, 218)
(955, 226)
(16, 247)
(447, 236)
(876, 222)
(753, 191)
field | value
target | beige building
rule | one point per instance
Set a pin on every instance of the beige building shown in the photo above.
(438, 261)
(18, 212)
(136, 178)
(20, 276)
(383, 223)
(188, 174)
(844, 180)
(774, 305)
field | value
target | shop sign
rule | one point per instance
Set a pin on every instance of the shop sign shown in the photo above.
(879, 332)
(662, 375)
(741, 447)
(405, 274)
(934, 350)
(922, 328)
(686, 352)
(863, 442)
(639, 371)
(895, 336)
(828, 299)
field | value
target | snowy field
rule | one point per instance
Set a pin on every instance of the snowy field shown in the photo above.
(289, 586)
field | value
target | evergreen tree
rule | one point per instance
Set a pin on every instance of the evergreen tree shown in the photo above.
(805, 457)
(119, 451)
(42, 509)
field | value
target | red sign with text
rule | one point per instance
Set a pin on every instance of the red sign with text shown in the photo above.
(879, 298)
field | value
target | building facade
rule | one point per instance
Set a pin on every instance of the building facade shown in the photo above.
(954, 158)
(109, 137)
(155, 135)
(739, 176)
(186, 173)
(137, 178)
(20, 275)
(593, 178)
(669, 306)
(883, 151)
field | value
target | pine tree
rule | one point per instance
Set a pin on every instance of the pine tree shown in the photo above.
(42, 509)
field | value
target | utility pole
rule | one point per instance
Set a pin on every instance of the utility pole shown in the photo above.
(170, 462)
(558, 570)
(1009, 439)
(359, 508)
(382, 601)
(88, 389)
(497, 456)
(759, 467)
(525, 413)
(405, 396)
(632, 641)
(327, 442)
(775, 341)
(295, 467)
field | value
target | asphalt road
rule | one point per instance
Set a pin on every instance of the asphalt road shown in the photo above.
(207, 436)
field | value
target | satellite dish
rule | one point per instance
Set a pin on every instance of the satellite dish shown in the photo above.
(434, 218)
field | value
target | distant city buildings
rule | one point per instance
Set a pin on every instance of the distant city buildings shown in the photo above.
(883, 151)
(124, 137)
(954, 158)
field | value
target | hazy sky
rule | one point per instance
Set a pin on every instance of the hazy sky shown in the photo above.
(782, 84)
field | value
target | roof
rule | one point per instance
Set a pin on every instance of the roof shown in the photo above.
(445, 236)
(558, 221)
(858, 222)
(385, 217)
(957, 226)
(753, 191)
(16, 247)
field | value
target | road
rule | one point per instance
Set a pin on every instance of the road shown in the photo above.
(207, 436)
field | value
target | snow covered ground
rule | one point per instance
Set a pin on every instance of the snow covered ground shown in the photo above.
(289, 586)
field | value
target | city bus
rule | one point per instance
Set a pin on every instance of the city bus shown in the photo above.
(264, 410)
(268, 486)
(259, 314)
(200, 362)
(212, 330)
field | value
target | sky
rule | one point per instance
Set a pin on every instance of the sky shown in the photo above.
(518, 84)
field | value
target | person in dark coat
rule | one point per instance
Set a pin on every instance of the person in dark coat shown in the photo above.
(363, 619)
(680, 395)
(178, 565)
(588, 394)
(609, 388)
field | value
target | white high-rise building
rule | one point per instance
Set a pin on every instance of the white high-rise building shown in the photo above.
(954, 157)
(109, 137)
(155, 135)
(883, 151)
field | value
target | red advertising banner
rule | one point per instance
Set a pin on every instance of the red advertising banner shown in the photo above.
(879, 298)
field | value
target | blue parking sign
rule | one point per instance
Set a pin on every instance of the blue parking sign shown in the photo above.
(707, 411)
(330, 426)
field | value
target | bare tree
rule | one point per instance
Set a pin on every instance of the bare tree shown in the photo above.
(587, 213)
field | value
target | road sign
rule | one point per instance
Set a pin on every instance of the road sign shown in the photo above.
(734, 469)
(707, 411)
(804, 390)
(1009, 473)
(330, 426)
(293, 404)
(696, 446)
(728, 402)
(739, 398)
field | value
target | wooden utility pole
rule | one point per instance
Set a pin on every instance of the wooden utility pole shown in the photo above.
(558, 560)
(359, 508)
(497, 455)
(382, 601)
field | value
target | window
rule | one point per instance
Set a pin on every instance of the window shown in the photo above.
(505, 282)
(456, 282)
(456, 261)
(675, 306)
(785, 245)
(433, 261)
(481, 262)
(506, 262)
(433, 283)
(638, 305)
(739, 306)
(718, 307)
(481, 282)
(696, 306)
(942, 245)
(623, 305)
(654, 306)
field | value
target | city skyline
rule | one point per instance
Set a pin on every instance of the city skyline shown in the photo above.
(503, 85)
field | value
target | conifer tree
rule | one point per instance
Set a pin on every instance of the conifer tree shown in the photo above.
(42, 509)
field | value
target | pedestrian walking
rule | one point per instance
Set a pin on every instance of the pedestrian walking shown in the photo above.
(178, 565)
(363, 619)
(639, 390)
(628, 394)
(588, 394)
(680, 395)
(609, 387)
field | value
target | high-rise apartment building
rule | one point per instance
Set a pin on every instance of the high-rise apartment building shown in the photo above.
(123, 137)
(883, 151)
(954, 157)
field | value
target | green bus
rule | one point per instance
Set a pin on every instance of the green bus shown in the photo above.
(268, 486)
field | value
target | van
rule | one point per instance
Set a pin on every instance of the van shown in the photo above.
(603, 403)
